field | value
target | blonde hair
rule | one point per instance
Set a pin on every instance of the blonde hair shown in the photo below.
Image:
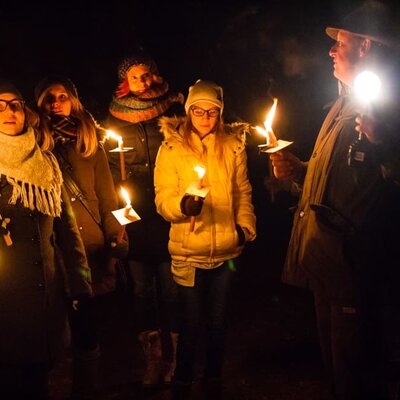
(87, 141)
(219, 132)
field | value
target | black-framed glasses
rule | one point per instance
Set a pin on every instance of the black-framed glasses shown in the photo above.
(199, 112)
(15, 105)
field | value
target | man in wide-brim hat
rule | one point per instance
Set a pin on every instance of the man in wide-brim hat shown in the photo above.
(343, 244)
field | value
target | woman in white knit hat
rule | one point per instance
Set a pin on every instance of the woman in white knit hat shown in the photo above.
(202, 257)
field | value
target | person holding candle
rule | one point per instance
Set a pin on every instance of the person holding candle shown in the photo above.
(141, 98)
(43, 259)
(89, 183)
(343, 243)
(225, 220)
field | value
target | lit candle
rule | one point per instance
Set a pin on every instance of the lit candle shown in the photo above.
(127, 209)
(271, 141)
(121, 150)
(270, 137)
(128, 206)
(200, 173)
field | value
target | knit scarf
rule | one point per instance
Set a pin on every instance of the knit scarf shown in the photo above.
(64, 128)
(33, 174)
(151, 104)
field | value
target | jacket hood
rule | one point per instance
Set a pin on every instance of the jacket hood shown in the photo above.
(171, 127)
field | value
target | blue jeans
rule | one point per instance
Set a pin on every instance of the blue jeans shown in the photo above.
(155, 294)
(207, 303)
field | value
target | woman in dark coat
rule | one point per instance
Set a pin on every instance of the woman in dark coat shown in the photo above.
(35, 219)
(141, 98)
(89, 184)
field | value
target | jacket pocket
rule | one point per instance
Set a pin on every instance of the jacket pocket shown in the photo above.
(332, 221)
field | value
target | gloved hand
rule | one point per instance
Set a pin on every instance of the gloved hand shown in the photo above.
(119, 250)
(242, 236)
(190, 206)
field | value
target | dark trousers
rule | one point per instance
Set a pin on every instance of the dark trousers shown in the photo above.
(27, 381)
(205, 303)
(83, 325)
(352, 348)
(155, 294)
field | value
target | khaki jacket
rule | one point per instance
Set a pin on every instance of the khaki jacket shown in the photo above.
(345, 218)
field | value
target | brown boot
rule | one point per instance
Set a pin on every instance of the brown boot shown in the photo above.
(151, 343)
(169, 366)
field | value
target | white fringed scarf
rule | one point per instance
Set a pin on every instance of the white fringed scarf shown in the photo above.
(34, 175)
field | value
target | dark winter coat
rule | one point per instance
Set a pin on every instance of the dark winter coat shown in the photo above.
(35, 281)
(93, 177)
(148, 238)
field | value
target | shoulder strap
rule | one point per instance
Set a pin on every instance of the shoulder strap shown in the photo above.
(72, 187)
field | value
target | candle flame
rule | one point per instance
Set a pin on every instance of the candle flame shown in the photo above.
(125, 195)
(200, 171)
(262, 131)
(111, 134)
(270, 116)
(268, 133)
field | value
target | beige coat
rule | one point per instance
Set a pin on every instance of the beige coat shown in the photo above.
(228, 202)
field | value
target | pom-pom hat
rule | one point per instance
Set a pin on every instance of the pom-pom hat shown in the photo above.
(132, 60)
(205, 91)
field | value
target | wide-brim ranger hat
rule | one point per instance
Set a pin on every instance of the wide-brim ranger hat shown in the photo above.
(369, 21)
(205, 91)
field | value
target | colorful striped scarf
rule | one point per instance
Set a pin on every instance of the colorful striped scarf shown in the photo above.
(153, 103)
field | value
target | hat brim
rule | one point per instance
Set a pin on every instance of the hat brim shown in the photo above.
(333, 33)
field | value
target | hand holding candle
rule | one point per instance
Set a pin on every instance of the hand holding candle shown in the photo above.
(272, 145)
(200, 172)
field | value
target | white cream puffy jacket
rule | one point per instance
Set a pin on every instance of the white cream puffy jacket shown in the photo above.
(228, 202)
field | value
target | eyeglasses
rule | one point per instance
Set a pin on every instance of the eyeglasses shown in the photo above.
(199, 112)
(15, 105)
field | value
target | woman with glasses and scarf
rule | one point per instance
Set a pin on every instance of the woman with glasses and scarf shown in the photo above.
(208, 230)
(35, 225)
(88, 181)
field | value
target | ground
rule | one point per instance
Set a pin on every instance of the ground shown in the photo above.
(272, 352)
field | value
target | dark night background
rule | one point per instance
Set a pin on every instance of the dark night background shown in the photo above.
(255, 50)
(251, 48)
(243, 45)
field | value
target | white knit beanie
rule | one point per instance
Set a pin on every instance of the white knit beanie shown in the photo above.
(205, 91)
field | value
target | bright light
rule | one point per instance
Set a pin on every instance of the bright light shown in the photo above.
(367, 86)
(125, 195)
(200, 171)
(270, 116)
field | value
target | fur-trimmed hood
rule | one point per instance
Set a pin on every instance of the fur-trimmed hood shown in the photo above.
(171, 127)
